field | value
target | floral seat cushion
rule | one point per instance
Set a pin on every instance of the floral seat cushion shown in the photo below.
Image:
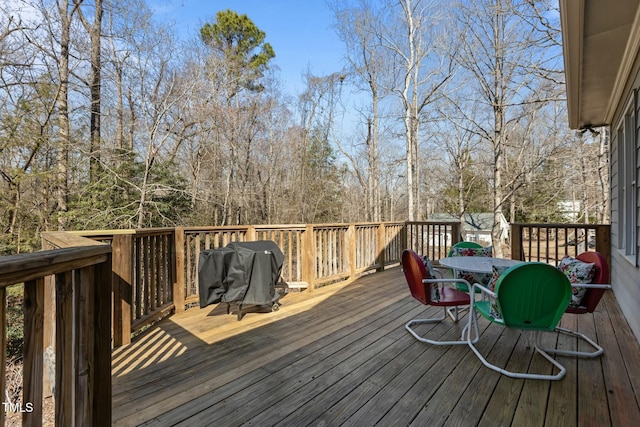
(577, 272)
(431, 271)
(488, 251)
(483, 278)
(497, 271)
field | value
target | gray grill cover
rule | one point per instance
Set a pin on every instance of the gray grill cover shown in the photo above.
(241, 272)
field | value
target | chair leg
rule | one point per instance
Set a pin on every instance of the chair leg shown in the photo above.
(466, 331)
(558, 376)
(598, 350)
(409, 328)
(453, 313)
(536, 346)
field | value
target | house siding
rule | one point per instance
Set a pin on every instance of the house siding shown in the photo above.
(625, 275)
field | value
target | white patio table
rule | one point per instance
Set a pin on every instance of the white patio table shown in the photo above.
(476, 264)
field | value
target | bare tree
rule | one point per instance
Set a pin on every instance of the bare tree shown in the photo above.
(158, 121)
(317, 106)
(460, 145)
(13, 48)
(95, 35)
(360, 28)
(65, 15)
(420, 75)
(499, 49)
(602, 196)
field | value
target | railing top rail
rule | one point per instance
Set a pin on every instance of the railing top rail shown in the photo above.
(192, 229)
(557, 225)
(336, 225)
(23, 267)
(63, 239)
(374, 224)
(106, 234)
(280, 227)
(93, 233)
(432, 222)
(356, 224)
(137, 232)
(379, 223)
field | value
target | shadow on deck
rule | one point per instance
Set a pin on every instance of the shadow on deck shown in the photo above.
(341, 355)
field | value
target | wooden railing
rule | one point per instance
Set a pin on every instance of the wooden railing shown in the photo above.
(315, 254)
(144, 275)
(550, 242)
(67, 305)
(433, 239)
(155, 271)
(84, 296)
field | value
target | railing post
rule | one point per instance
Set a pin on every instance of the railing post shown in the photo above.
(251, 233)
(455, 235)
(122, 247)
(516, 242)
(381, 246)
(179, 284)
(101, 357)
(308, 257)
(351, 240)
(405, 236)
(603, 241)
(92, 319)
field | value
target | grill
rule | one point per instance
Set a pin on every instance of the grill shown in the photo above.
(242, 273)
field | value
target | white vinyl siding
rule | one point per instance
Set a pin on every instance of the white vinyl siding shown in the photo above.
(627, 176)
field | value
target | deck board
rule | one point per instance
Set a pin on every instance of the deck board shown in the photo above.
(341, 356)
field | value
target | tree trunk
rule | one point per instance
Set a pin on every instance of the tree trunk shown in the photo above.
(94, 85)
(62, 184)
(603, 176)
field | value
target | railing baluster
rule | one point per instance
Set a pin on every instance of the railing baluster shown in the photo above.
(33, 351)
(139, 279)
(64, 349)
(190, 266)
(153, 273)
(556, 246)
(147, 274)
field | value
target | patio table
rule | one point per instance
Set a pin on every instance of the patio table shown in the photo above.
(477, 264)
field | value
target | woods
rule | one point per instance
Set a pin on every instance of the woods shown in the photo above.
(109, 119)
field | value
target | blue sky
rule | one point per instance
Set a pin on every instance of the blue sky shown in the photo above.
(298, 30)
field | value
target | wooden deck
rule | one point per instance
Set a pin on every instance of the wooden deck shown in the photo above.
(341, 356)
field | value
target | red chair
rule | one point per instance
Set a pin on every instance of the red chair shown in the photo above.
(593, 295)
(420, 285)
(595, 290)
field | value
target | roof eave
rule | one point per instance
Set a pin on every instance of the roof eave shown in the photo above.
(600, 45)
(572, 24)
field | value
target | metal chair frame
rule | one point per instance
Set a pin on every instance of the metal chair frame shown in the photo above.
(591, 299)
(551, 322)
(451, 299)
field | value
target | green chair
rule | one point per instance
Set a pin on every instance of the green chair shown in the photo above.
(472, 245)
(530, 297)
(464, 244)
